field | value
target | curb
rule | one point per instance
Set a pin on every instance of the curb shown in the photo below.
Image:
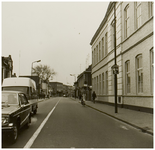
(135, 126)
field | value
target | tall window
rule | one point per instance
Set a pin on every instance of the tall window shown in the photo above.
(139, 74)
(152, 69)
(128, 82)
(95, 83)
(103, 83)
(103, 47)
(150, 9)
(99, 51)
(106, 82)
(106, 44)
(112, 34)
(138, 14)
(99, 84)
(94, 56)
(97, 54)
(126, 14)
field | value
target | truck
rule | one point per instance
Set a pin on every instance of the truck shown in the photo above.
(25, 85)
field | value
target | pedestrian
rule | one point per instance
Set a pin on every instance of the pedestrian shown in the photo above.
(94, 96)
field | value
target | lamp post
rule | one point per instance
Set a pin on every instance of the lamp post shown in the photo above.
(74, 77)
(74, 82)
(32, 65)
(115, 65)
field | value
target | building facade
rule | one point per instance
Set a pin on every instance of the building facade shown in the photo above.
(84, 80)
(134, 54)
(7, 67)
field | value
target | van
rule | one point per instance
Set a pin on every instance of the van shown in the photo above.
(23, 84)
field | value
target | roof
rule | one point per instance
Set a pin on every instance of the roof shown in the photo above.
(20, 81)
(109, 9)
(16, 92)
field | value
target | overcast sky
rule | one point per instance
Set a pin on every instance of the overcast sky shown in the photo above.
(57, 33)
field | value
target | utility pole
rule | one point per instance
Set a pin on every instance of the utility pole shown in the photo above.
(115, 67)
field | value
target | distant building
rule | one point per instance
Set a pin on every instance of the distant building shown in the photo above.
(135, 55)
(56, 88)
(7, 67)
(84, 80)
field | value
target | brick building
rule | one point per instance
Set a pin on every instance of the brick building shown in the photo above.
(134, 50)
(7, 67)
(84, 80)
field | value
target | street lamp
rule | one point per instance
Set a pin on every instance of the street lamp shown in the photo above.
(74, 76)
(32, 65)
(74, 82)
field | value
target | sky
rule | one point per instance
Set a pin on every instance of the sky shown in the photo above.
(57, 33)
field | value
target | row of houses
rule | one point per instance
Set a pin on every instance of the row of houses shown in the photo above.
(50, 88)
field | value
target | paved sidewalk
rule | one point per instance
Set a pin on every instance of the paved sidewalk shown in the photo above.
(140, 120)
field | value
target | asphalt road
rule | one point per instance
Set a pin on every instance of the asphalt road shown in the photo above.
(65, 123)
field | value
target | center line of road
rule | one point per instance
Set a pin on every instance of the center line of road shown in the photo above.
(32, 139)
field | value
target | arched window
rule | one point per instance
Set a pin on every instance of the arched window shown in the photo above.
(126, 20)
(127, 77)
(139, 74)
(152, 68)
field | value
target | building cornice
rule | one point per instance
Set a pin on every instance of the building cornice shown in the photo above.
(110, 7)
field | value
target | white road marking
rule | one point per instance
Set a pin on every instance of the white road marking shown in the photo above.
(123, 127)
(32, 139)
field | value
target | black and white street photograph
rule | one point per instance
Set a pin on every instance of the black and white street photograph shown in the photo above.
(77, 74)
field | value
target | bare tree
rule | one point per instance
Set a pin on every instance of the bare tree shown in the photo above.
(44, 72)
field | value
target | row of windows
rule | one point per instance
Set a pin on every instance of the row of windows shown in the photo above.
(101, 50)
(138, 16)
(100, 82)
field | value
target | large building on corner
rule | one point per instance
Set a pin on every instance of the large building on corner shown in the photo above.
(134, 50)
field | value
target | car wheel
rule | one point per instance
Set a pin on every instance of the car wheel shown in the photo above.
(35, 111)
(29, 121)
(14, 135)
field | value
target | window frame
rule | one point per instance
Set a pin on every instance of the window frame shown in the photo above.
(127, 73)
(126, 21)
(139, 70)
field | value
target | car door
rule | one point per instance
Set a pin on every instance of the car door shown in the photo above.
(25, 108)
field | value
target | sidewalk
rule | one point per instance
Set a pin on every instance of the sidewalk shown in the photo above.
(140, 120)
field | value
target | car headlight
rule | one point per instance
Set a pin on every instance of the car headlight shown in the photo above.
(5, 120)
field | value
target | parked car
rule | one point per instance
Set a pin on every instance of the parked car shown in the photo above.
(25, 85)
(16, 113)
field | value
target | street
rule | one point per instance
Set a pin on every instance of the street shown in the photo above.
(62, 122)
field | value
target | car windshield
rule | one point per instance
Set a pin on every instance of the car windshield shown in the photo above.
(9, 99)
(16, 88)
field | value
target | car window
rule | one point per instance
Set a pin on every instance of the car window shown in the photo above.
(23, 99)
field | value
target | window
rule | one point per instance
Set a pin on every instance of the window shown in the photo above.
(152, 68)
(126, 14)
(103, 47)
(97, 54)
(95, 83)
(106, 82)
(99, 84)
(94, 56)
(102, 83)
(150, 9)
(139, 74)
(138, 14)
(127, 70)
(99, 51)
(106, 44)
(112, 34)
